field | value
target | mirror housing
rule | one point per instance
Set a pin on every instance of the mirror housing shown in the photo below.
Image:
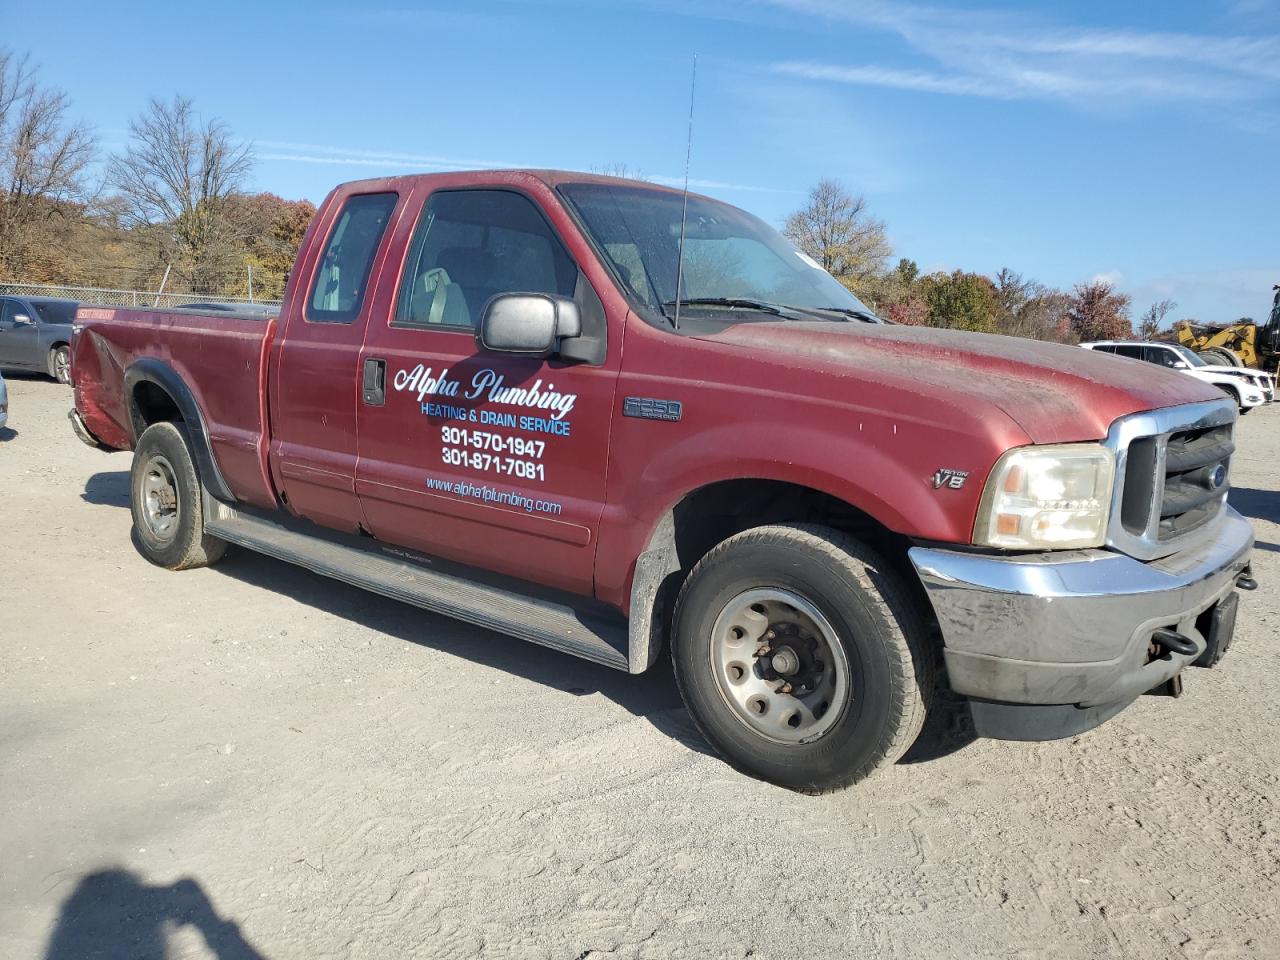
(22, 318)
(529, 324)
(1181, 365)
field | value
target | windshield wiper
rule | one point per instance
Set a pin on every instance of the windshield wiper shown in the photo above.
(864, 315)
(741, 303)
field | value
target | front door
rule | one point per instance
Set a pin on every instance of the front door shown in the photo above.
(19, 338)
(485, 458)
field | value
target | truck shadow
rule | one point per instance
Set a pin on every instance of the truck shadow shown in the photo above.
(1257, 505)
(7, 433)
(651, 695)
(113, 913)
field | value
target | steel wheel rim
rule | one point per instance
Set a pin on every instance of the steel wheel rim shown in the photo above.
(161, 510)
(758, 636)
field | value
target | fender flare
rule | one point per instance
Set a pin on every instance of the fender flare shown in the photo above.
(150, 370)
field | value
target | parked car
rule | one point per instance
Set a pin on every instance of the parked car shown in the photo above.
(1249, 388)
(35, 334)
(4, 402)
(809, 507)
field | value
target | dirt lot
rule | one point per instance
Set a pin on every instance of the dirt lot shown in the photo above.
(251, 761)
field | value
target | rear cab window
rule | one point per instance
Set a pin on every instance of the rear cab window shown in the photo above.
(341, 280)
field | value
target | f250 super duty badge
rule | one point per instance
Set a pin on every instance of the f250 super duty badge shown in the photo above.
(946, 477)
(649, 409)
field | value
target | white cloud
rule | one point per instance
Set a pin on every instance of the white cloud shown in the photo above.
(312, 153)
(1005, 56)
(1113, 277)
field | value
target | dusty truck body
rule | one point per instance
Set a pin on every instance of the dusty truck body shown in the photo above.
(482, 397)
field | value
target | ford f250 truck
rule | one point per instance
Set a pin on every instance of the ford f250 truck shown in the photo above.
(571, 409)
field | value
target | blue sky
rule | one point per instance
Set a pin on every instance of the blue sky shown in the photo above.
(1138, 142)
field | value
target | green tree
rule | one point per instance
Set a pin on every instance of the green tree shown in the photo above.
(960, 301)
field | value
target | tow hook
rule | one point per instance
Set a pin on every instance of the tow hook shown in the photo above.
(1245, 581)
(1174, 642)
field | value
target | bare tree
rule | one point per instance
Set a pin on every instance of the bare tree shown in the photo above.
(178, 173)
(835, 229)
(43, 157)
(1027, 308)
(622, 170)
(1149, 323)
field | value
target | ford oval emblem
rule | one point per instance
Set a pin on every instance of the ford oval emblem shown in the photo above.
(1218, 477)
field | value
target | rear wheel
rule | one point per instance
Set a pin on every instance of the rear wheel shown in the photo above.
(801, 657)
(168, 512)
(60, 363)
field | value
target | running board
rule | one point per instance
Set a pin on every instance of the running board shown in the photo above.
(548, 622)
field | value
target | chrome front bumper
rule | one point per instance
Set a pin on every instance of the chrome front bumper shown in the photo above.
(1072, 631)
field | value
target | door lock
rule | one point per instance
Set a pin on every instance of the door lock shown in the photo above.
(374, 383)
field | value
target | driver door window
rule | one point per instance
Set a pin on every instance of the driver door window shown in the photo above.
(471, 245)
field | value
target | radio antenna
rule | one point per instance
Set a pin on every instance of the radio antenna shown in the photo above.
(684, 210)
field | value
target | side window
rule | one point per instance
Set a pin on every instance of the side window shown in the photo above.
(337, 293)
(7, 310)
(471, 245)
(1131, 350)
(1166, 358)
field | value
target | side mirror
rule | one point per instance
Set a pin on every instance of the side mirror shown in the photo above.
(22, 318)
(531, 324)
(1181, 365)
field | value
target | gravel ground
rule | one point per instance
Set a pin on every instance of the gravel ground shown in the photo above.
(251, 761)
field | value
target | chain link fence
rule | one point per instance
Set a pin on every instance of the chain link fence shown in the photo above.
(115, 298)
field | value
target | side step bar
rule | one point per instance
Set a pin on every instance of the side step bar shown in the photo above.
(548, 622)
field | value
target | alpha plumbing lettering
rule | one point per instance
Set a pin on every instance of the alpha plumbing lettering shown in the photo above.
(486, 385)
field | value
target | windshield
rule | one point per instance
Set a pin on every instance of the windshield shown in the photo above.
(56, 311)
(1190, 356)
(728, 254)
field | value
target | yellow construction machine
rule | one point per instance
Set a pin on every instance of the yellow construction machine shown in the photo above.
(1242, 344)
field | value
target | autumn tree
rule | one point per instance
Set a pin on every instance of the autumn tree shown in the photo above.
(43, 160)
(1151, 321)
(177, 176)
(272, 229)
(1097, 312)
(835, 229)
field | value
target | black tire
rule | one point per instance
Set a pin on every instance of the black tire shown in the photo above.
(1223, 356)
(60, 363)
(889, 656)
(165, 499)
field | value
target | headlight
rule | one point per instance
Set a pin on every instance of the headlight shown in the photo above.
(1050, 497)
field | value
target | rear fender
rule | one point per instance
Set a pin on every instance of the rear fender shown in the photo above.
(150, 370)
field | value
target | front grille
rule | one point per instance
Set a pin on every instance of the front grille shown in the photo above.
(1195, 479)
(1172, 469)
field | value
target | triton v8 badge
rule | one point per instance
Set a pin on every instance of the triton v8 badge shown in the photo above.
(946, 477)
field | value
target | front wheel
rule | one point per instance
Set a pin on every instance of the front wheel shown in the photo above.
(801, 657)
(60, 363)
(168, 512)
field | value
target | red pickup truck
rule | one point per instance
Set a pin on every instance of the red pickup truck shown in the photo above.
(484, 395)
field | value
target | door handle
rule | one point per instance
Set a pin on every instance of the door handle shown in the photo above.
(373, 385)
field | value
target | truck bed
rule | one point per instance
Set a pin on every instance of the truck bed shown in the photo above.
(205, 350)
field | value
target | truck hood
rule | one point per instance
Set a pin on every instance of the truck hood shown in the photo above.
(1054, 392)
